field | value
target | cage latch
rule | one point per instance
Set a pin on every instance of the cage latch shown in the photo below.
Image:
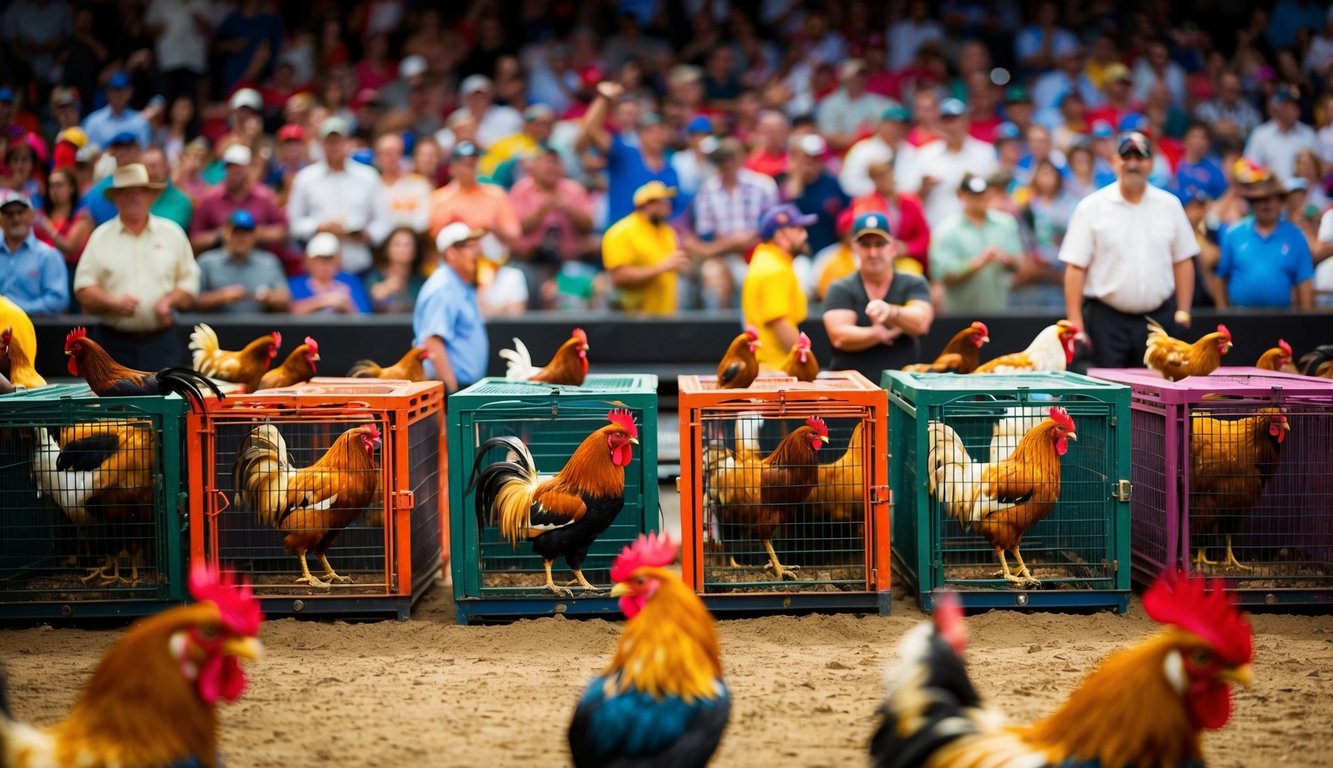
(221, 505)
(404, 501)
(880, 494)
(1123, 491)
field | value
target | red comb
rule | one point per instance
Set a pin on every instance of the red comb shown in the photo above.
(751, 332)
(948, 619)
(818, 425)
(312, 344)
(1222, 329)
(74, 335)
(580, 334)
(374, 432)
(654, 550)
(981, 328)
(277, 340)
(1203, 608)
(622, 418)
(1061, 416)
(234, 598)
(803, 341)
(1285, 347)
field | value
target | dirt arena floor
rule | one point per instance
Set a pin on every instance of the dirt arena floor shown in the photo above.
(429, 692)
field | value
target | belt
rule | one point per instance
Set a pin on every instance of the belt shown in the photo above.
(133, 335)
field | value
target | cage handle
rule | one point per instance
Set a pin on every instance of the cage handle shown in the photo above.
(221, 503)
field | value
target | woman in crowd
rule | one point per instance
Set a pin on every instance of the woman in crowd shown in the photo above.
(395, 280)
(1039, 281)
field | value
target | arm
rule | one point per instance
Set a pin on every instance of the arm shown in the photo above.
(78, 234)
(440, 359)
(844, 334)
(630, 276)
(530, 222)
(227, 294)
(1305, 295)
(1184, 275)
(299, 216)
(1074, 279)
(275, 299)
(785, 330)
(55, 288)
(593, 131)
(912, 318)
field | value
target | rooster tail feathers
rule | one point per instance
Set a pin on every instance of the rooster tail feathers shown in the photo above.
(519, 365)
(260, 473)
(186, 382)
(204, 342)
(364, 369)
(490, 481)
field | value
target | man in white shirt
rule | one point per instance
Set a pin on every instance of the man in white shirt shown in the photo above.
(1129, 255)
(887, 144)
(494, 121)
(342, 197)
(1323, 260)
(1276, 143)
(944, 163)
(182, 28)
(851, 111)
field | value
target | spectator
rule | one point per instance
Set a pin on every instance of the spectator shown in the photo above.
(325, 288)
(345, 199)
(909, 32)
(627, 167)
(887, 144)
(641, 255)
(814, 190)
(396, 279)
(1196, 169)
(691, 161)
(479, 205)
(832, 263)
(238, 277)
(1156, 67)
(904, 218)
(1323, 259)
(1276, 143)
(769, 155)
(772, 300)
(972, 251)
(501, 289)
(1118, 100)
(538, 120)
(1067, 76)
(36, 31)
(1039, 151)
(1128, 253)
(494, 121)
(447, 320)
(1039, 281)
(412, 73)
(189, 169)
(554, 215)
(428, 162)
(1072, 122)
(1309, 168)
(850, 112)
(22, 162)
(289, 157)
(171, 204)
(553, 81)
(239, 192)
(943, 164)
(249, 41)
(136, 271)
(1038, 46)
(1265, 261)
(1206, 287)
(117, 117)
(726, 216)
(60, 225)
(181, 29)
(408, 194)
(1229, 106)
(32, 273)
(1009, 149)
(124, 150)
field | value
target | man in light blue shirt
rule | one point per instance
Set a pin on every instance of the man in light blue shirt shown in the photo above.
(447, 320)
(117, 116)
(32, 273)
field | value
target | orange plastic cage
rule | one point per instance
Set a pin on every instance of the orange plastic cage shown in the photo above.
(837, 536)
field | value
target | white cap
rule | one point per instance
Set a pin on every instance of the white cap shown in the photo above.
(332, 125)
(474, 83)
(247, 97)
(411, 66)
(456, 233)
(236, 154)
(323, 244)
(811, 144)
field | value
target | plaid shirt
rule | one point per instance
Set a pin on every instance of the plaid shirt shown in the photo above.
(720, 211)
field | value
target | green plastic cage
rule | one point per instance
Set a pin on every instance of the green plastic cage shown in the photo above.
(494, 581)
(95, 509)
(1079, 552)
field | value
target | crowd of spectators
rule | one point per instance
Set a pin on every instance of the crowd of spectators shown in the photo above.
(622, 153)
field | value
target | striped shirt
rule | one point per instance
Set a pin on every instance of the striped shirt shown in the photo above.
(719, 211)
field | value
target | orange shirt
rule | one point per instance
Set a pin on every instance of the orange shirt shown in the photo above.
(484, 207)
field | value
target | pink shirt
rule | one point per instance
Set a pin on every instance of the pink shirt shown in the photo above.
(526, 198)
(214, 207)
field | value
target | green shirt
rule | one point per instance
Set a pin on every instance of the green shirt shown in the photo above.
(174, 205)
(956, 243)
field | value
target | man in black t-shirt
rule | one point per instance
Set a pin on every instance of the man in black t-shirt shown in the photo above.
(874, 315)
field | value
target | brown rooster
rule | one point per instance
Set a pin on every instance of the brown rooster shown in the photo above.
(152, 701)
(107, 378)
(800, 362)
(1001, 500)
(298, 367)
(1231, 462)
(1276, 358)
(244, 367)
(839, 494)
(561, 514)
(757, 495)
(1175, 359)
(1051, 350)
(569, 364)
(739, 367)
(312, 505)
(408, 367)
(961, 355)
(15, 364)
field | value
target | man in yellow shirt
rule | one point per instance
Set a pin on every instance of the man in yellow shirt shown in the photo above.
(641, 255)
(771, 297)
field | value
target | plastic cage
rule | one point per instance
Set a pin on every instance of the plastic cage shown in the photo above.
(114, 549)
(1207, 463)
(391, 548)
(830, 526)
(1079, 552)
(494, 581)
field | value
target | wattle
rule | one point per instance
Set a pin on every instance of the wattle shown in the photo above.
(583, 361)
(621, 455)
(630, 605)
(803, 355)
(1210, 704)
(1061, 446)
(73, 367)
(221, 678)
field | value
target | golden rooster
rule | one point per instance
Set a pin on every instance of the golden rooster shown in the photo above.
(569, 364)
(409, 367)
(16, 362)
(312, 505)
(1147, 705)
(800, 362)
(1175, 359)
(1001, 500)
(152, 701)
(1276, 358)
(961, 355)
(739, 367)
(245, 367)
(1231, 462)
(564, 513)
(839, 494)
(1052, 350)
(297, 368)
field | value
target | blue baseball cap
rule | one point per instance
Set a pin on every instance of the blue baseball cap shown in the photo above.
(952, 108)
(241, 219)
(871, 223)
(1007, 131)
(1102, 130)
(1133, 122)
(782, 216)
(1193, 194)
(124, 137)
(700, 124)
(119, 80)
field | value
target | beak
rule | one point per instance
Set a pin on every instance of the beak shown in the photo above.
(985, 339)
(634, 441)
(316, 357)
(620, 589)
(248, 648)
(824, 438)
(1242, 675)
(1071, 436)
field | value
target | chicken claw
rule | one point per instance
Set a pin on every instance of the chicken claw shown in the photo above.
(1231, 561)
(307, 578)
(330, 575)
(583, 582)
(550, 584)
(780, 571)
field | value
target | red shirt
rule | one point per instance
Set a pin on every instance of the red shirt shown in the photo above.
(771, 165)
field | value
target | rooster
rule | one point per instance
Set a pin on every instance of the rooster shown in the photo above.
(568, 366)
(1001, 500)
(961, 355)
(800, 362)
(244, 367)
(107, 378)
(16, 363)
(1175, 359)
(1318, 362)
(564, 513)
(298, 367)
(311, 505)
(408, 367)
(758, 495)
(1052, 350)
(1231, 462)
(739, 367)
(152, 701)
(662, 700)
(839, 493)
(1276, 358)
(1146, 705)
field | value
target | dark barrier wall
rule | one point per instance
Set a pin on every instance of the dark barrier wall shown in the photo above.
(690, 343)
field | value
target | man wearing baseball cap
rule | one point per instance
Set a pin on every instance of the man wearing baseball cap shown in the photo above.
(238, 277)
(944, 163)
(238, 191)
(972, 252)
(772, 299)
(117, 116)
(447, 319)
(641, 254)
(1276, 143)
(32, 274)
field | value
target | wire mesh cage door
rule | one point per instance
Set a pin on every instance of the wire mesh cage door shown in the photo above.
(426, 471)
(1155, 508)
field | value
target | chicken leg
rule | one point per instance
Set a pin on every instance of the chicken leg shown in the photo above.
(1024, 576)
(551, 585)
(1231, 561)
(780, 571)
(98, 572)
(1201, 559)
(581, 581)
(329, 573)
(307, 578)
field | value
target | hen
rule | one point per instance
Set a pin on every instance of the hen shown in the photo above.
(1318, 362)
(107, 378)
(244, 367)
(408, 367)
(569, 364)
(662, 701)
(1052, 350)
(839, 494)
(1276, 358)
(1001, 500)
(313, 505)
(739, 367)
(297, 368)
(564, 513)
(16, 364)
(152, 701)
(1231, 462)
(800, 362)
(961, 355)
(1175, 359)
(1146, 705)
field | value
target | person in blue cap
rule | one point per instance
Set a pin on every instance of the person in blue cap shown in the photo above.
(117, 116)
(32, 274)
(238, 277)
(772, 299)
(125, 149)
(875, 315)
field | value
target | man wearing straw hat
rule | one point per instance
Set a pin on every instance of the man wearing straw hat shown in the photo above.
(135, 272)
(1265, 259)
